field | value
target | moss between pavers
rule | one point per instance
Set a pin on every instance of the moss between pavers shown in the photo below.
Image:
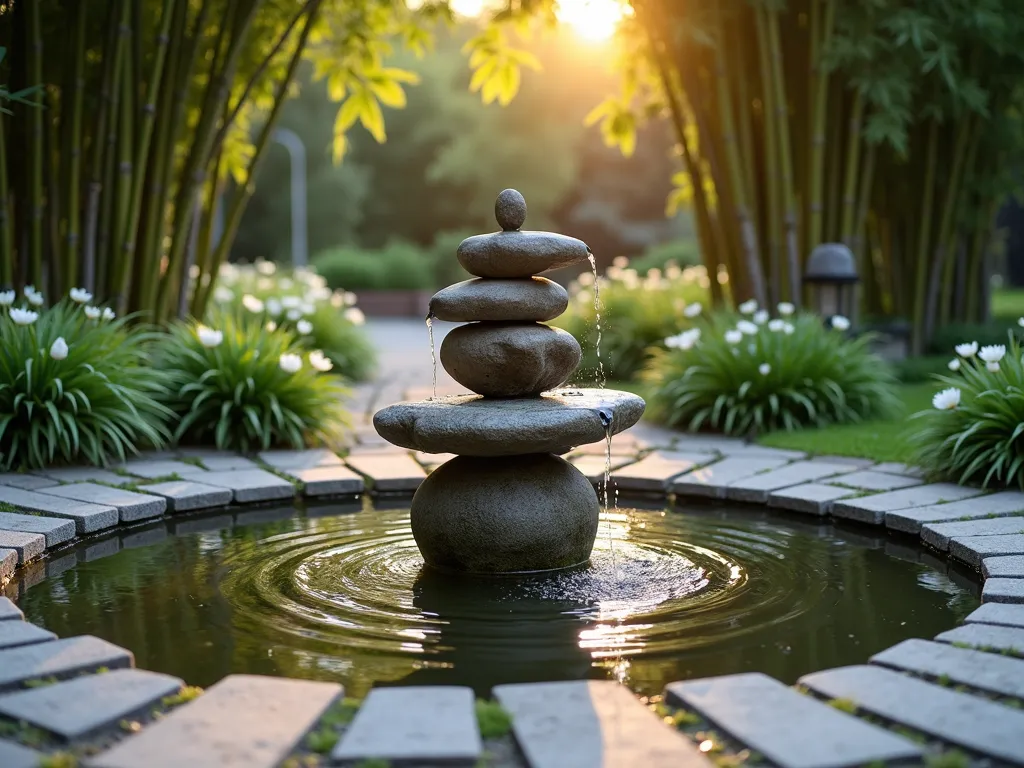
(722, 750)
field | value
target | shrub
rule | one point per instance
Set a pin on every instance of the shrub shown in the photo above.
(973, 433)
(636, 315)
(74, 386)
(986, 334)
(239, 386)
(397, 266)
(680, 253)
(752, 375)
(918, 370)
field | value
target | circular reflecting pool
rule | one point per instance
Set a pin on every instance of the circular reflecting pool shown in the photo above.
(334, 595)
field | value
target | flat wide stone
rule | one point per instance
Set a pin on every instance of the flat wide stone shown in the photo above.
(810, 498)
(27, 545)
(88, 518)
(154, 469)
(583, 724)
(25, 482)
(243, 720)
(973, 549)
(188, 495)
(531, 299)
(86, 705)
(470, 425)
(712, 480)
(8, 564)
(81, 475)
(1003, 591)
(872, 509)
(960, 666)
(939, 534)
(519, 254)
(131, 506)
(60, 659)
(788, 728)
(1008, 567)
(55, 530)
(16, 633)
(226, 461)
(250, 485)
(997, 613)
(311, 458)
(9, 611)
(959, 718)
(14, 755)
(389, 473)
(868, 480)
(422, 724)
(758, 488)
(328, 481)
(655, 472)
(989, 637)
(992, 505)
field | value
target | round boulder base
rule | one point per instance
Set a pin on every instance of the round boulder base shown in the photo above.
(510, 359)
(533, 299)
(519, 254)
(516, 514)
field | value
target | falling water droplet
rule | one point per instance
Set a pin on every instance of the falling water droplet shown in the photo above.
(597, 319)
(433, 353)
(606, 421)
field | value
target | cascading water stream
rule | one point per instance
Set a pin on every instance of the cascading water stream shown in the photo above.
(597, 320)
(433, 352)
(606, 421)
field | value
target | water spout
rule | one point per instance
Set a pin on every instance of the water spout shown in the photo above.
(433, 353)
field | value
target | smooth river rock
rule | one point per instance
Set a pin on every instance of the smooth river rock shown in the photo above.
(469, 425)
(523, 513)
(510, 209)
(530, 299)
(510, 359)
(519, 254)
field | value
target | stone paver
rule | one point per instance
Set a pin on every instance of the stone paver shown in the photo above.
(250, 485)
(872, 509)
(713, 479)
(582, 724)
(59, 658)
(14, 755)
(311, 458)
(327, 480)
(82, 475)
(790, 729)
(131, 506)
(987, 637)
(227, 462)
(960, 666)
(810, 498)
(895, 468)
(388, 473)
(243, 720)
(55, 530)
(158, 468)
(974, 549)
(17, 633)
(852, 461)
(9, 611)
(939, 534)
(656, 470)
(1010, 566)
(86, 705)
(710, 444)
(991, 505)
(959, 718)
(88, 517)
(425, 724)
(869, 480)
(8, 563)
(998, 590)
(997, 613)
(27, 545)
(25, 482)
(189, 495)
(759, 487)
(593, 466)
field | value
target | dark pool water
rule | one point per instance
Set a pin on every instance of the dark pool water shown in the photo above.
(670, 595)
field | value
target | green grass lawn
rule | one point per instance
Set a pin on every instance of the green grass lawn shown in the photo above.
(1008, 302)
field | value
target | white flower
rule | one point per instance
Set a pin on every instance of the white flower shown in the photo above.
(293, 315)
(621, 262)
(733, 337)
(222, 294)
(208, 337)
(350, 299)
(954, 364)
(59, 349)
(251, 303)
(307, 308)
(840, 323)
(947, 399)
(80, 295)
(764, 369)
(227, 272)
(29, 290)
(319, 361)
(1020, 322)
(290, 302)
(7, 298)
(290, 363)
(35, 298)
(776, 325)
(92, 313)
(265, 267)
(786, 309)
(967, 350)
(24, 316)
(748, 307)
(992, 354)
(685, 340)
(108, 314)
(271, 326)
(354, 315)
(692, 310)
(992, 366)
(788, 328)
(761, 317)
(747, 327)
(304, 327)
(274, 307)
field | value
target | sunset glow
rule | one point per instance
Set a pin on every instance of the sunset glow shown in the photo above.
(591, 19)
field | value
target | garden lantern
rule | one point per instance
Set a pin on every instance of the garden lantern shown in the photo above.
(832, 276)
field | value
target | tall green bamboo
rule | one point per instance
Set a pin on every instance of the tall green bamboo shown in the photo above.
(35, 148)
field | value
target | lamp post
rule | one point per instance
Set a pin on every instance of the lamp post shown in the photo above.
(832, 277)
(297, 154)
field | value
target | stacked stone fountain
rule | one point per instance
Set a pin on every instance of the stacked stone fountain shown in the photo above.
(508, 502)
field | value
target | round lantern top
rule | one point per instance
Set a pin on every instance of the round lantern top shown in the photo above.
(831, 263)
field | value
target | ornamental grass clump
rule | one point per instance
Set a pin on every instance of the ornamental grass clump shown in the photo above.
(76, 383)
(752, 373)
(236, 385)
(974, 434)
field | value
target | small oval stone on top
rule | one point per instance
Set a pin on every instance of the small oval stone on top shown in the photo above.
(510, 210)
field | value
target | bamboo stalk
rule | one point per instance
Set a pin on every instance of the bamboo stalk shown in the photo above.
(819, 102)
(834, 155)
(853, 146)
(6, 225)
(74, 149)
(771, 184)
(35, 147)
(963, 162)
(923, 238)
(52, 278)
(123, 188)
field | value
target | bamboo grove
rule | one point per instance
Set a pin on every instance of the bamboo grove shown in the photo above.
(147, 111)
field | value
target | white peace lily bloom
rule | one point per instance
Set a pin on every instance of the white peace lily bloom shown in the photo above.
(29, 290)
(80, 295)
(747, 327)
(748, 307)
(786, 309)
(733, 337)
(271, 326)
(319, 361)
(290, 363)
(7, 298)
(761, 317)
(1020, 322)
(222, 294)
(265, 267)
(290, 302)
(992, 354)
(293, 315)
(776, 325)
(108, 314)
(969, 349)
(840, 323)
(59, 349)
(954, 364)
(692, 310)
(993, 367)
(93, 313)
(685, 340)
(354, 315)
(208, 337)
(35, 299)
(350, 298)
(764, 369)
(24, 316)
(251, 303)
(304, 327)
(274, 307)
(947, 399)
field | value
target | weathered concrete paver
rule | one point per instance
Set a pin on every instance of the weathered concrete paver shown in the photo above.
(998, 590)
(311, 458)
(244, 720)
(333, 480)
(8, 564)
(88, 517)
(25, 482)
(582, 724)
(958, 718)
(759, 487)
(55, 530)
(250, 485)
(1008, 566)
(869, 480)
(14, 755)
(226, 462)
(656, 470)
(81, 475)
(86, 705)
(974, 549)
(810, 498)
(60, 659)
(9, 611)
(961, 666)
(27, 545)
(872, 509)
(593, 466)
(790, 729)
(131, 506)
(17, 633)
(939, 534)
(711, 481)
(985, 636)
(189, 495)
(426, 724)
(388, 473)
(1001, 614)
(159, 468)
(992, 505)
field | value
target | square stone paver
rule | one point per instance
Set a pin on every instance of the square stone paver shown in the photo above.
(251, 485)
(189, 495)
(9, 611)
(25, 482)
(60, 659)
(961, 666)
(82, 475)
(27, 545)
(152, 469)
(56, 530)
(15, 633)
(997, 590)
(778, 722)
(14, 755)
(1009, 566)
(872, 509)
(226, 462)
(990, 505)
(987, 637)
(88, 517)
(939, 534)
(973, 549)
(1001, 614)
(869, 480)
(388, 472)
(810, 498)
(712, 480)
(311, 458)
(895, 468)
(720, 444)
(328, 480)
(131, 506)
(655, 471)
(593, 467)
(759, 487)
